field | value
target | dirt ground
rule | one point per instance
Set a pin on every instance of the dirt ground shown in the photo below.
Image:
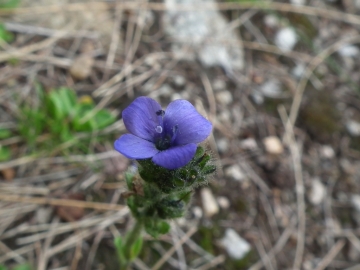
(284, 105)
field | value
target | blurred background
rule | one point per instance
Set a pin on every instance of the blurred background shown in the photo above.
(279, 80)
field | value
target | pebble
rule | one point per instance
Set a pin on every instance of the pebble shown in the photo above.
(224, 116)
(298, 70)
(271, 88)
(209, 203)
(81, 67)
(298, 2)
(223, 202)
(218, 84)
(318, 192)
(222, 145)
(349, 51)
(286, 39)
(353, 127)
(43, 215)
(198, 212)
(327, 152)
(271, 21)
(179, 80)
(273, 145)
(235, 172)
(355, 201)
(165, 90)
(224, 97)
(257, 97)
(249, 144)
(236, 246)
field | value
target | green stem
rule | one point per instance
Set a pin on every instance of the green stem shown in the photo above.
(130, 240)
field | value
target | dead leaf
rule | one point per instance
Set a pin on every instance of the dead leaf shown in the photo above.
(71, 213)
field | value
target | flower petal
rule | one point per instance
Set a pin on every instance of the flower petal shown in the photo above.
(140, 118)
(134, 147)
(175, 157)
(192, 127)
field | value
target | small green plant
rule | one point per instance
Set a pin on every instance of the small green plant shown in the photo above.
(61, 115)
(18, 267)
(6, 4)
(5, 153)
(4, 34)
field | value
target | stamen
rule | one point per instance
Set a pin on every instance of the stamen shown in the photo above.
(159, 129)
(160, 114)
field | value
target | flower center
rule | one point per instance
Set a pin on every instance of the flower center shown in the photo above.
(165, 141)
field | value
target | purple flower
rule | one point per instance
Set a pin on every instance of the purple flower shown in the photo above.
(169, 137)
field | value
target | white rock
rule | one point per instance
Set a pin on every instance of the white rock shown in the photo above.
(355, 201)
(236, 247)
(219, 84)
(223, 202)
(176, 96)
(224, 97)
(273, 145)
(298, 70)
(271, 21)
(179, 80)
(43, 215)
(235, 173)
(222, 145)
(353, 127)
(271, 88)
(197, 211)
(349, 51)
(318, 192)
(257, 97)
(327, 152)
(225, 116)
(248, 144)
(165, 90)
(286, 39)
(298, 2)
(208, 32)
(209, 203)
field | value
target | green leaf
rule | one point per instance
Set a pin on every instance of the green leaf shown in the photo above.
(31, 124)
(120, 249)
(103, 118)
(81, 111)
(156, 227)
(163, 227)
(5, 35)
(22, 267)
(3, 267)
(5, 133)
(5, 153)
(99, 120)
(9, 3)
(136, 248)
(128, 178)
(61, 102)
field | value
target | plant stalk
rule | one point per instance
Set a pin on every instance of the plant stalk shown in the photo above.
(130, 240)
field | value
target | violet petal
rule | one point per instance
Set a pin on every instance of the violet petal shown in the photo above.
(192, 127)
(134, 147)
(140, 117)
(175, 157)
